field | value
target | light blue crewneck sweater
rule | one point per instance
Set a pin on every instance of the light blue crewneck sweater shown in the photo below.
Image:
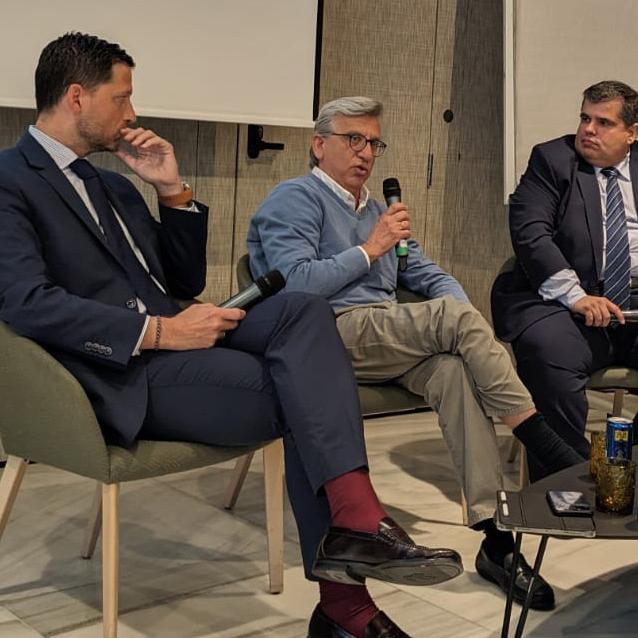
(307, 232)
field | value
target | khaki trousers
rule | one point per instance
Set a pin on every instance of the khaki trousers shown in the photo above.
(445, 351)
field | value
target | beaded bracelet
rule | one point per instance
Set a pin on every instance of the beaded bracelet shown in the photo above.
(158, 333)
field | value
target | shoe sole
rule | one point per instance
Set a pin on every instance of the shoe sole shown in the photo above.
(518, 598)
(401, 572)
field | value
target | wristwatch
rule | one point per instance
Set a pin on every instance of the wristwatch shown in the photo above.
(181, 199)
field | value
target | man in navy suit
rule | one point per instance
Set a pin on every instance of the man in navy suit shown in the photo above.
(574, 227)
(87, 272)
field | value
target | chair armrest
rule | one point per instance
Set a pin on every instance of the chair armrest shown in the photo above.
(45, 415)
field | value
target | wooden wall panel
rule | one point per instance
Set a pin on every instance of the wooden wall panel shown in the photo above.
(466, 221)
(387, 53)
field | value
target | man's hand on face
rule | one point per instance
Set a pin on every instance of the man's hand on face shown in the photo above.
(392, 226)
(199, 326)
(153, 160)
(597, 311)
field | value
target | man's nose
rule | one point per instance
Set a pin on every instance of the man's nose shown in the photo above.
(590, 128)
(366, 151)
(130, 116)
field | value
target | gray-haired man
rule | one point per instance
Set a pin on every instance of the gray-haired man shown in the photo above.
(327, 235)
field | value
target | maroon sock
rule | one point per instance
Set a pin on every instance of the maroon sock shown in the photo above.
(350, 606)
(353, 501)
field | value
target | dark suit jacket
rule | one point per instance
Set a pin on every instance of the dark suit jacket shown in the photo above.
(61, 285)
(555, 223)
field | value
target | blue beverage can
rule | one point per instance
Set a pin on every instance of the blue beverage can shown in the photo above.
(619, 438)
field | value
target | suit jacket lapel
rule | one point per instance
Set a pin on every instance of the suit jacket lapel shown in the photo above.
(588, 185)
(43, 163)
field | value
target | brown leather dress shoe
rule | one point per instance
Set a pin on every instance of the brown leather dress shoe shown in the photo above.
(379, 627)
(349, 556)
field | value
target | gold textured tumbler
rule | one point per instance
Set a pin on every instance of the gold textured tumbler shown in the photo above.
(598, 451)
(616, 486)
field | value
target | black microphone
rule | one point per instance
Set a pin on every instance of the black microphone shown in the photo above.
(392, 194)
(263, 287)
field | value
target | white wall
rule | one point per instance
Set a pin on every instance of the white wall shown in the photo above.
(250, 61)
(560, 47)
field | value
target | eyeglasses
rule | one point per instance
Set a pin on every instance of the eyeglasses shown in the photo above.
(358, 142)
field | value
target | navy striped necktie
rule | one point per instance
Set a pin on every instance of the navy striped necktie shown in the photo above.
(617, 258)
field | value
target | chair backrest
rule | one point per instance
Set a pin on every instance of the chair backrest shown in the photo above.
(244, 278)
(45, 415)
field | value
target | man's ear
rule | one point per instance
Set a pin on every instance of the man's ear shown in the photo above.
(73, 97)
(317, 146)
(634, 133)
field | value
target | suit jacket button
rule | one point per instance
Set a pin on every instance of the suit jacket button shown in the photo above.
(88, 346)
(131, 304)
(108, 351)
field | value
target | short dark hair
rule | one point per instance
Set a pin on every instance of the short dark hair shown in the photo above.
(74, 58)
(612, 90)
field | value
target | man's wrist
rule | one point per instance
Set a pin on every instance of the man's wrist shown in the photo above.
(372, 255)
(171, 189)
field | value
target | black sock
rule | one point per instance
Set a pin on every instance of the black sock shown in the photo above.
(549, 452)
(497, 544)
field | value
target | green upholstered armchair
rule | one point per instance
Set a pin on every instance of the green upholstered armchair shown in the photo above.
(43, 405)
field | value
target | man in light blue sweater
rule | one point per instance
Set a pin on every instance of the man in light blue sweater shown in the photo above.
(327, 236)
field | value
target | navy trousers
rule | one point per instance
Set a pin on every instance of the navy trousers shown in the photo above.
(283, 372)
(555, 358)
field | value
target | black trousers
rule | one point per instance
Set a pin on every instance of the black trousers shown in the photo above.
(555, 358)
(283, 372)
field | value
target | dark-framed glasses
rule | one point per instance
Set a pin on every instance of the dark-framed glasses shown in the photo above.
(358, 142)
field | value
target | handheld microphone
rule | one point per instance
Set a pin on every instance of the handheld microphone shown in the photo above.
(631, 316)
(263, 287)
(392, 194)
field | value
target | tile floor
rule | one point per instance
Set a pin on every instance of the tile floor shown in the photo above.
(189, 569)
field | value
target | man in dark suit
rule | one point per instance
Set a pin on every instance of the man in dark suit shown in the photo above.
(574, 229)
(87, 272)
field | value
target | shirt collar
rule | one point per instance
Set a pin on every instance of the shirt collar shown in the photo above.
(341, 192)
(61, 155)
(622, 167)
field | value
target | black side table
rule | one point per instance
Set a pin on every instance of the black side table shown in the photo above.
(608, 526)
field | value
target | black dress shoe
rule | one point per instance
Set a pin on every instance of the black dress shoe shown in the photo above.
(379, 627)
(348, 556)
(542, 596)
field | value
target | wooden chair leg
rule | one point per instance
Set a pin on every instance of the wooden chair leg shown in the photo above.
(94, 526)
(12, 476)
(619, 397)
(274, 493)
(237, 480)
(523, 470)
(466, 518)
(110, 558)
(515, 446)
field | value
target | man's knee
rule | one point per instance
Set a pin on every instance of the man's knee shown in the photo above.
(306, 306)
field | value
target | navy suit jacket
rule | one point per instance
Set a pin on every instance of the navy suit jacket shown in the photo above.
(555, 223)
(61, 285)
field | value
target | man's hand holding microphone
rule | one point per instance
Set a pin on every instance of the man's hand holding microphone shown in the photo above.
(393, 228)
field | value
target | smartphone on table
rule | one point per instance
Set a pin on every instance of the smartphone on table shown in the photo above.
(566, 503)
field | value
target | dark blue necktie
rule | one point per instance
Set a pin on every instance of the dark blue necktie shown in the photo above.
(617, 259)
(156, 302)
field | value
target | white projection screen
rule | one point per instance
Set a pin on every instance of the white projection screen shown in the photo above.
(248, 61)
(553, 50)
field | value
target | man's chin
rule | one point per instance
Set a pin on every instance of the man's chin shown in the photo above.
(588, 153)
